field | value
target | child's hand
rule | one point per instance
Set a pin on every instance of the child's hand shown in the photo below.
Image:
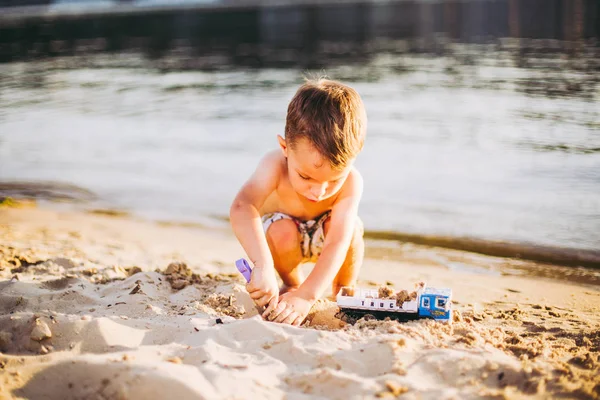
(263, 287)
(291, 309)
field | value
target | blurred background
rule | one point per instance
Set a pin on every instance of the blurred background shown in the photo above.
(484, 119)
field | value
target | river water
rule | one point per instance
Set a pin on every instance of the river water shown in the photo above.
(485, 145)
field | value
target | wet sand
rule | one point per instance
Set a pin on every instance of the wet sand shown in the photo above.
(101, 305)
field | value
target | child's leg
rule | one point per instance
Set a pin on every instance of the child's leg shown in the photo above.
(348, 273)
(284, 240)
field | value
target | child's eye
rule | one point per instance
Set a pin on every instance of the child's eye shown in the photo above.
(304, 177)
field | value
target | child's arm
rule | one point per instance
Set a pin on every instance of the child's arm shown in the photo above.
(339, 236)
(247, 226)
(337, 242)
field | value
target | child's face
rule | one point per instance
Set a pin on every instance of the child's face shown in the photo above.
(310, 173)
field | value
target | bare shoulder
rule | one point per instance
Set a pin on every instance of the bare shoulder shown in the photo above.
(270, 167)
(353, 186)
(263, 181)
(356, 177)
(354, 182)
(275, 159)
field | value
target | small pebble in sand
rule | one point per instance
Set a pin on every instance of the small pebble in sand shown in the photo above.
(179, 284)
(133, 270)
(399, 370)
(554, 314)
(395, 389)
(90, 271)
(175, 360)
(175, 267)
(40, 331)
(457, 316)
(492, 366)
(5, 340)
(136, 289)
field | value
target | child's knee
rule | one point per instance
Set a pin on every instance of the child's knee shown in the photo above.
(283, 236)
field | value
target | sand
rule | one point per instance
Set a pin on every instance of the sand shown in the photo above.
(106, 306)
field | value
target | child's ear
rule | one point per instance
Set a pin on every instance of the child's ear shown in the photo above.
(283, 145)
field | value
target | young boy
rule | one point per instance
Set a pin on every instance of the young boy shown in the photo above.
(300, 204)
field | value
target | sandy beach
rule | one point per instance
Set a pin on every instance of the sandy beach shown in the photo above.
(108, 306)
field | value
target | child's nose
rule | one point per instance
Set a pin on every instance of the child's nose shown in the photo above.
(319, 190)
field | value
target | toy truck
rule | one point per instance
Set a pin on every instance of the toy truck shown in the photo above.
(426, 302)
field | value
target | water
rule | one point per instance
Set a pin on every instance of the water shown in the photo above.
(474, 146)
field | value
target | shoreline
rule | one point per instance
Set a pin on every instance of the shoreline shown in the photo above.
(567, 256)
(529, 258)
(461, 256)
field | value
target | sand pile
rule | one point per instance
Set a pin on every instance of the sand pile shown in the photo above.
(71, 327)
(141, 335)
